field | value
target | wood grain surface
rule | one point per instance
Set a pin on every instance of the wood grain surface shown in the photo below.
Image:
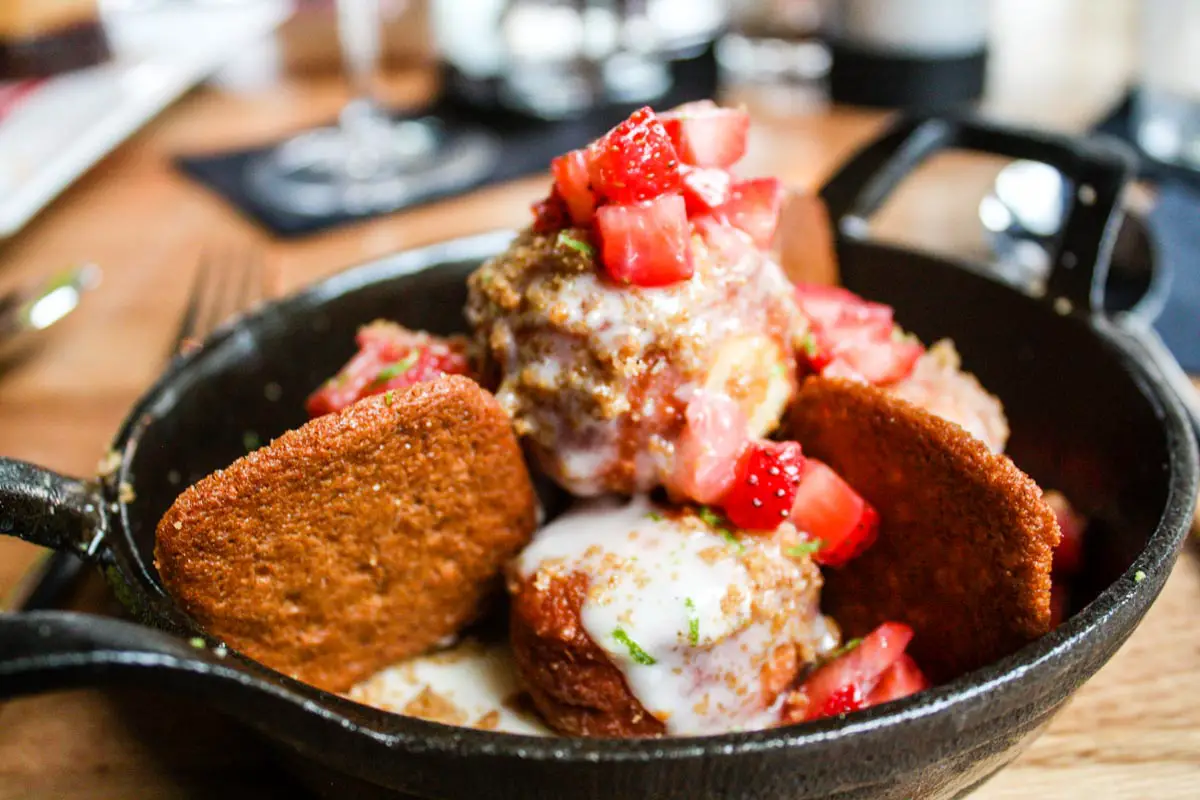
(1133, 731)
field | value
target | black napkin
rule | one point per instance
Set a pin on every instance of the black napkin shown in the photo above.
(526, 147)
(1174, 226)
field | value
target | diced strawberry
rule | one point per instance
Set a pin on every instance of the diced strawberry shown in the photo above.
(574, 186)
(389, 357)
(646, 244)
(706, 135)
(550, 214)
(843, 701)
(1068, 556)
(634, 161)
(763, 492)
(900, 680)
(828, 510)
(708, 447)
(852, 677)
(753, 207)
(831, 306)
(853, 338)
(704, 189)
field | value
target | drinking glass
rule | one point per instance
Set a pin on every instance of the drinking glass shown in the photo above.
(367, 162)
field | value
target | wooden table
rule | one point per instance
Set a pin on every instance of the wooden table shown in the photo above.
(1133, 731)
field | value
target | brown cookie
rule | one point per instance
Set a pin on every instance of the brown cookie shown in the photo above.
(573, 684)
(360, 539)
(964, 548)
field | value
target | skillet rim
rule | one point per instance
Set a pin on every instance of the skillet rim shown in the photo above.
(993, 690)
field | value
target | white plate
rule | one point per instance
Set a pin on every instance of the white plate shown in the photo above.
(72, 121)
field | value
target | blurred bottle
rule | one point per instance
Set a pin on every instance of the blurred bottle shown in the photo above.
(914, 54)
(774, 54)
(553, 59)
(1167, 110)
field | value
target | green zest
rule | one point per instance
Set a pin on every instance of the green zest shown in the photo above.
(655, 516)
(714, 520)
(805, 548)
(389, 397)
(693, 622)
(250, 441)
(809, 343)
(639, 655)
(843, 650)
(396, 370)
(567, 240)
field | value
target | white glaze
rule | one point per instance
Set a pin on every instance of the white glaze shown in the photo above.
(649, 577)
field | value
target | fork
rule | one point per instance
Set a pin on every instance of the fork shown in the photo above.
(228, 282)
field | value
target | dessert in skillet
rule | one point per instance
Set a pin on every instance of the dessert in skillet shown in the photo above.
(786, 507)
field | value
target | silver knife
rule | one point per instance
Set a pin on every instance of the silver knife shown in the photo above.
(40, 306)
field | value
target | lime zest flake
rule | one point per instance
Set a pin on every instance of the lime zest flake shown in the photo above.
(693, 622)
(196, 642)
(805, 548)
(1139, 576)
(389, 397)
(809, 343)
(636, 652)
(396, 370)
(655, 516)
(844, 649)
(567, 240)
(714, 520)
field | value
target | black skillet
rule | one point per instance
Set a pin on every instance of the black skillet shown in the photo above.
(1092, 411)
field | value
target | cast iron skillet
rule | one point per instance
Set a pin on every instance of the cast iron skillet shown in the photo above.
(1092, 414)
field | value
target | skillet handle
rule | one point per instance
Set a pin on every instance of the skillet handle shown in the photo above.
(43, 651)
(45, 508)
(1097, 168)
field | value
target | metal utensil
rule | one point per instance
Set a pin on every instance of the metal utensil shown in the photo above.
(38, 307)
(229, 280)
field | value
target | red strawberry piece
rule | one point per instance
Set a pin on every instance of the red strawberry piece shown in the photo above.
(706, 135)
(646, 244)
(853, 338)
(843, 701)
(765, 486)
(550, 214)
(828, 510)
(574, 186)
(704, 189)
(852, 676)
(634, 161)
(709, 447)
(389, 357)
(1068, 556)
(899, 680)
(753, 207)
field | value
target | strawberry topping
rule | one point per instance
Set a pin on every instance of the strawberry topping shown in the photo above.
(389, 357)
(573, 185)
(753, 207)
(646, 244)
(709, 447)
(634, 161)
(853, 338)
(764, 488)
(862, 674)
(706, 135)
(829, 511)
